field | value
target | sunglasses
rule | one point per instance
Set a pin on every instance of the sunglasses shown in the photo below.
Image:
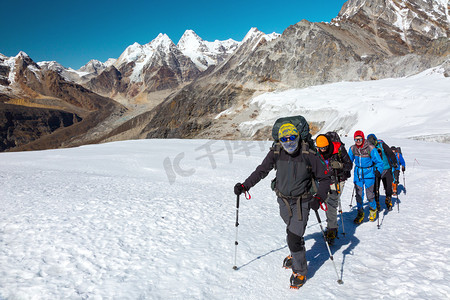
(288, 138)
(358, 140)
(323, 148)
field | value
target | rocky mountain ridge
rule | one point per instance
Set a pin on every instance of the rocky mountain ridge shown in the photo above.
(143, 69)
(364, 42)
(39, 109)
(199, 89)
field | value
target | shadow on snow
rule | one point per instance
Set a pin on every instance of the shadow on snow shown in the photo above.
(261, 256)
(318, 254)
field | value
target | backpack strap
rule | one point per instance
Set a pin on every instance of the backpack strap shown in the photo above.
(307, 151)
(276, 148)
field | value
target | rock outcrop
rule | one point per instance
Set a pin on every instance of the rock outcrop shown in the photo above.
(42, 110)
(21, 125)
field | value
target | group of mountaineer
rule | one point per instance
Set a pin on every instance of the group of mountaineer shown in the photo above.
(312, 175)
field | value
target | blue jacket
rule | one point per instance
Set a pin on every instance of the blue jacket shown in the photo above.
(366, 160)
(400, 161)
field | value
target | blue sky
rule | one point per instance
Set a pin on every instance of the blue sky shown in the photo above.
(74, 32)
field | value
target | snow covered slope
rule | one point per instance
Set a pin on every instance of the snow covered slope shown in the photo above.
(155, 219)
(417, 106)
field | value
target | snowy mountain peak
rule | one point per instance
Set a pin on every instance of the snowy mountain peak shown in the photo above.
(134, 48)
(94, 62)
(256, 37)
(162, 42)
(204, 53)
(22, 54)
(190, 40)
(131, 53)
(251, 34)
(51, 65)
(110, 62)
(190, 34)
(93, 66)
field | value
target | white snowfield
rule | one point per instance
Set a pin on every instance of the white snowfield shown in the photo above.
(155, 219)
(411, 107)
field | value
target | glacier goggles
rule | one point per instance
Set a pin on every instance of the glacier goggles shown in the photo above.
(284, 139)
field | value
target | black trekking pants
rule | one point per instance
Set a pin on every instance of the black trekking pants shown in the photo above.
(387, 179)
(295, 229)
(396, 176)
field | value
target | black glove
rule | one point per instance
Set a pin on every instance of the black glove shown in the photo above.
(315, 202)
(377, 174)
(337, 165)
(395, 166)
(239, 188)
(403, 168)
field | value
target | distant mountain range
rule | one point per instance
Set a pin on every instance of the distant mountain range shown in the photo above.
(165, 90)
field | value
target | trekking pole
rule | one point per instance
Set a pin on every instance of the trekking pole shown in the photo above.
(338, 190)
(328, 247)
(398, 199)
(353, 194)
(377, 199)
(237, 224)
(404, 183)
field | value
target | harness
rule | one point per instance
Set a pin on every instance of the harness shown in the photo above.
(297, 200)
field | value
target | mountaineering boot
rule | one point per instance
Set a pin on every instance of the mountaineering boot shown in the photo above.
(388, 203)
(287, 262)
(359, 217)
(331, 234)
(297, 280)
(372, 215)
(394, 189)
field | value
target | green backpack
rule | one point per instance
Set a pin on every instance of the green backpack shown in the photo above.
(302, 126)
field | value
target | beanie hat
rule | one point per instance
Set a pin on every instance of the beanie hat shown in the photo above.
(322, 141)
(287, 129)
(358, 133)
